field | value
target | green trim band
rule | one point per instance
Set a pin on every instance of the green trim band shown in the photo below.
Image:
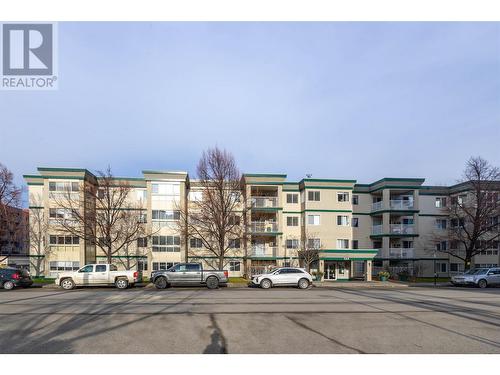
(328, 187)
(266, 208)
(35, 207)
(394, 235)
(35, 183)
(62, 169)
(311, 210)
(289, 190)
(353, 251)
(430, 215)
(342, 259)
(293, 212)
(326, 180)
(122, 256)
(213, 257)
(264, 175)
(266, 233)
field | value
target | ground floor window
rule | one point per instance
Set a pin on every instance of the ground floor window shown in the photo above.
(142, 265)
(64, 266)
(234, 266)
(456, 267)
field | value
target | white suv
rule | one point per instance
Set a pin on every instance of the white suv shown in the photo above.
(283, 276)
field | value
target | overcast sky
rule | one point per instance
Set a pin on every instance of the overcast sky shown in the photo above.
(336, 100)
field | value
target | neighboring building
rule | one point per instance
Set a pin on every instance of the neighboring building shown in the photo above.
(359, 229)
(14, 237)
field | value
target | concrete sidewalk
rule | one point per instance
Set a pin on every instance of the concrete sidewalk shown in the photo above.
(358, 284)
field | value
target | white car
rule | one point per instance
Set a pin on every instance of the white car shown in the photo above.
(97, 274)
(283, 276)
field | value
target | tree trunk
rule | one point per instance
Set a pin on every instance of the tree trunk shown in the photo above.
(221, 261)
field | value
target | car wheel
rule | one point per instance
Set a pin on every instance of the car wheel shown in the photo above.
(212, 282)
(161, 283)
(482, 283)
(67, 284)
(8, 285)
(266, 284)
(303, 284)
(121, 283)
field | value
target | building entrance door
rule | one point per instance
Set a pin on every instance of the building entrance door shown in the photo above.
(330, 273)
(342, 270)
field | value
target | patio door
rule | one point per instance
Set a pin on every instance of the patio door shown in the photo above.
(330, 271)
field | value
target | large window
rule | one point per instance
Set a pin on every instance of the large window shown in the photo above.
(292, 221)
(292, 198)
(195, 242)
(234, 266)
(64, 186)
(64, 240)
(165, 191)
(292, 244)
(170, 244)
(442, 246)
(60, 213)
(313, 196)
(343, 196)
(234, 243)
(158, 266)
(313, 219)
(342, 244)
(64, 266)
(440, 202)
(441, 223)
(343, 220)
(313, 243)
(142, 242)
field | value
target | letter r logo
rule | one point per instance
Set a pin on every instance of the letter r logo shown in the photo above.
(27, 49)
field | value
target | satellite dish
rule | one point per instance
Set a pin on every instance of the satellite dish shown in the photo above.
(308, 175)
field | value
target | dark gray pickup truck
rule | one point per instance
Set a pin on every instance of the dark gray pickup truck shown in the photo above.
(188, 274)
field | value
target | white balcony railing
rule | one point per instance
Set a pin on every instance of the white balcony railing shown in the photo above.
(402, 229)
(263, 227)
(377, 206)
(264, 202)
(263, 251)
(400, 204)
(401, 253)
(377, 229)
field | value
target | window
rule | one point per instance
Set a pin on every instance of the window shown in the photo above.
(292, 221)
(195, 242)
(442, 246)
(64, 186)
(234, 243)
(355, 199)
(292, 244)
(100, 268)
(441, 223)
(141, 194)
(142, 265)
(313, 196)
(235, 196)
(170, 244)
(195, 196)
(314, 243)
(234, 220)
(354, 244)
(343, 220)
(64, 266)
(86, 269)
(342, 244)
(355, 222)
(313, 219)
(60, 213)
(161, 217)
(343, 197)
(292, 198)
(160, 266)
(142, 242)
(443, 267)
(165, 191)
(142, 218)
(234, 266)
(64, 240)
(440, 202)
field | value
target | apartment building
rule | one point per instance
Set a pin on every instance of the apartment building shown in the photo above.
(14, 237)
(358, 229)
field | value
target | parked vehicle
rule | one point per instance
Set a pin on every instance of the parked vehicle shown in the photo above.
(481, 277)
(285, 276)
(97, 274)
(12, 277)
(188, 274)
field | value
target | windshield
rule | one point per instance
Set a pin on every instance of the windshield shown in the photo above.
(478, 271)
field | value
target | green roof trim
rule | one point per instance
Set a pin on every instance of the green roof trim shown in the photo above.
(342, 259)
(326, 180)
(292, 212)
(289, 190)
(393, 179)
(63, 169)
(328, 187)
(394, 235)
(312, 210)
(352, 251)
(264, 175)
(32, 176)
(256, 183)
(35, 183)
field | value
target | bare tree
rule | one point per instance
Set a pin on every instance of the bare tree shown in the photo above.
(309, 249)
(215, 218)
(39, 245)
(106, 217)
(474, 214)
(12, 223)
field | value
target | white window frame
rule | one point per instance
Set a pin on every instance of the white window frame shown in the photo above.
(316, 220)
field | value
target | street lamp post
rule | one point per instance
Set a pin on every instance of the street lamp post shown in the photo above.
(435, 275)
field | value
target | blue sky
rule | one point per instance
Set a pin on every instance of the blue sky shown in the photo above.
(336, 100)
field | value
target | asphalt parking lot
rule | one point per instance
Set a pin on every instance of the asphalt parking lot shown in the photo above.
(227, 320)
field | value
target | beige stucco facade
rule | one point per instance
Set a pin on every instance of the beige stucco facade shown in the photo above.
(359, 229)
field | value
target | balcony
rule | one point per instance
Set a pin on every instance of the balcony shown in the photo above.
(401, 253)
(263, 227)
(400, 204)
(264, 202)
(377, 229)
(402, 229)
(377, 206)
(262, 251)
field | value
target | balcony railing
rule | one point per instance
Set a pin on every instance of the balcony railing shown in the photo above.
(402, 228)
(401, 253)
(263, 227)
(377, 206)
(400, 204)
(263, 251)
(377, 229)
(264, 202)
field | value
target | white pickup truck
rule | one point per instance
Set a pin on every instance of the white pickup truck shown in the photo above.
(97, 274)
